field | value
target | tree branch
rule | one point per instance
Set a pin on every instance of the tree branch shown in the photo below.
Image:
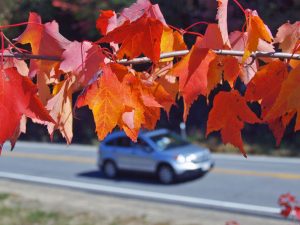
(141, 60)
(280, 55)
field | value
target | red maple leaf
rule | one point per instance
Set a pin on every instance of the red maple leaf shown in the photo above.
(83, 60)
(193, 69)
(139, 9)
(106, 22)
(229, 113)
(142, 36)
(18, 97)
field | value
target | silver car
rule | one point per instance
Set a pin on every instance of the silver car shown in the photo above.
(161, 152)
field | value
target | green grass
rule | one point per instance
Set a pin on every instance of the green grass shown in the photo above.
(3, 196)
(38, 216)
(7, 212)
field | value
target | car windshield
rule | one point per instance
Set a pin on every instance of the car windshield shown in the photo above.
(168, 141)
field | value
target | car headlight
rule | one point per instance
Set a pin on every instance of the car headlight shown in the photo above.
(180, 159)
(191, 158)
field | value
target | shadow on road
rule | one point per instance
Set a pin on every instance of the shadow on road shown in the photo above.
(136, 177)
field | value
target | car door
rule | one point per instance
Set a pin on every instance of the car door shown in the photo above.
(123, 153)
(143, 156)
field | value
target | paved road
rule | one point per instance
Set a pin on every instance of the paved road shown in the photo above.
(252, 184)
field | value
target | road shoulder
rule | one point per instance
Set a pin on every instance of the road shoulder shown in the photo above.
(116, 210)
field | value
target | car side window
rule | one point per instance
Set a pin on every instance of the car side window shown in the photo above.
(111, 142)
(143, 145)
(123, 142)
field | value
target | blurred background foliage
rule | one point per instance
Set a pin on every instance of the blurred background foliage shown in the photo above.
(77, 18)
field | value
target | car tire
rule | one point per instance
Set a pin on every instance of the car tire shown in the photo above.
(110, 169)
(165, 174)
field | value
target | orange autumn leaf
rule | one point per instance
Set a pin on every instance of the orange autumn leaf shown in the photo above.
(127, 124)
(120, 70)
(143, 101)
(61, 110)
(214, 74)
(226, 66)
(168, 83)
(272, 74)
(192, 71)
(229, 113)
(148, 99)
(162, 96)
(105, 102)
(133, 116)
(256, 30)
(238, 42)
(171, 41)
(167, 40)
(287, 36)
(152, 115)
(278, 126)
(294, 62)
(142, 36)
(288, 98)
(178, 43)
(44, 39)
(258, 89)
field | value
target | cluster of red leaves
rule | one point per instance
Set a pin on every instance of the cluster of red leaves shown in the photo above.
(289, 205)
(120, 96)
(232, 222)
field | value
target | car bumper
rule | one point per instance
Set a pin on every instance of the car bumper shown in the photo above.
(201, 167)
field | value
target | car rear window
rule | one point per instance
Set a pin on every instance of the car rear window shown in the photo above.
(111, 142)
(123, 142)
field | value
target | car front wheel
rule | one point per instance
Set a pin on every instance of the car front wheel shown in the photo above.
(166, 174)
(110, 169)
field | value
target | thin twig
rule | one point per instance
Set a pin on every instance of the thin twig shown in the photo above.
(141, 60)
(31, 56)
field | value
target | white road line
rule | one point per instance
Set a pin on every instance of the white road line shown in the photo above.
(140, 193)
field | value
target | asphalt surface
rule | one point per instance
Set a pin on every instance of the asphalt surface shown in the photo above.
(254, 182)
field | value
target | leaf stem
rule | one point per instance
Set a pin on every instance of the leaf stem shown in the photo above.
(239, 5)
(195, 24)
(193, 33)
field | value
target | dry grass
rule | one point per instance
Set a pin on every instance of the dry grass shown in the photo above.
(17, 211)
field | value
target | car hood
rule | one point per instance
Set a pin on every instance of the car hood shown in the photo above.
(186, 150)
